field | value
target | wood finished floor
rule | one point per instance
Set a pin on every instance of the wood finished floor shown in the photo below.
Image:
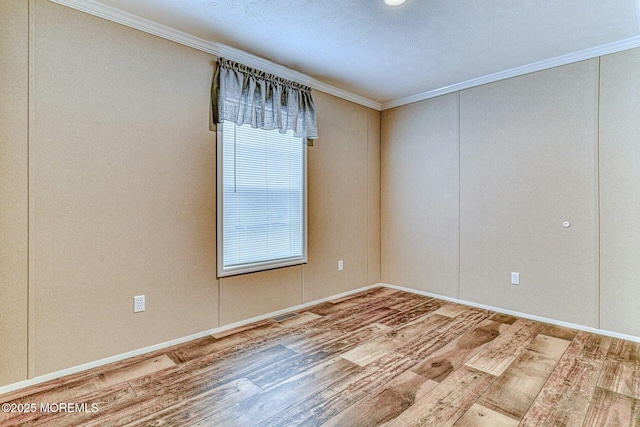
(380, 357)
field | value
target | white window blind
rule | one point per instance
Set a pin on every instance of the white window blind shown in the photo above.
(261, 199)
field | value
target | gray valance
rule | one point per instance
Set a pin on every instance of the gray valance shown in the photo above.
(244, 95)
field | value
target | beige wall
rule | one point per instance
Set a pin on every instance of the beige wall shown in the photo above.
(373, 178)
(535, 151)
(620, 191)
(121, 188)
(420, 157)
(250, 295)
(14, 28)
(339, 172)
(528, 162)
(121, 195)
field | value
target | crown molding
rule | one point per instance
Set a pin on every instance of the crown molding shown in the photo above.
(217, 49)
(519, 71)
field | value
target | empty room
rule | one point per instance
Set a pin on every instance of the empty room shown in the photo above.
(319, 213)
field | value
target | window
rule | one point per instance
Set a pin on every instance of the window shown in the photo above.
(261, 199)
(262, 168)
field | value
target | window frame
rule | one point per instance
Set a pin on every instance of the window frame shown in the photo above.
(262, 265)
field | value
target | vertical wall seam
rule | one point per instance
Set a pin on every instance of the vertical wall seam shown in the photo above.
(379, 189)
(380, 178)
(599, 263)
(28, 165)
(368, 196)
(379, 160)
(459, 196)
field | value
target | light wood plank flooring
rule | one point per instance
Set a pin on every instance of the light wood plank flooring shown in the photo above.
(380, 357)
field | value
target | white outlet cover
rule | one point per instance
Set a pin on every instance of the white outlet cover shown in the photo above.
(515, 278)
(138, 304)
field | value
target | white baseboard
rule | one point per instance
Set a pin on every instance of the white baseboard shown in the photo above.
(86, 366)
(519, 314)
(90, 365)
(294, 308)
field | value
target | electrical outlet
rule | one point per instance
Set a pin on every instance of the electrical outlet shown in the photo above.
(515, 278)
(340, 265)
(138, 304)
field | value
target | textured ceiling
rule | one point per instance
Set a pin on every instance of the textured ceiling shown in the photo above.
(384, 53)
